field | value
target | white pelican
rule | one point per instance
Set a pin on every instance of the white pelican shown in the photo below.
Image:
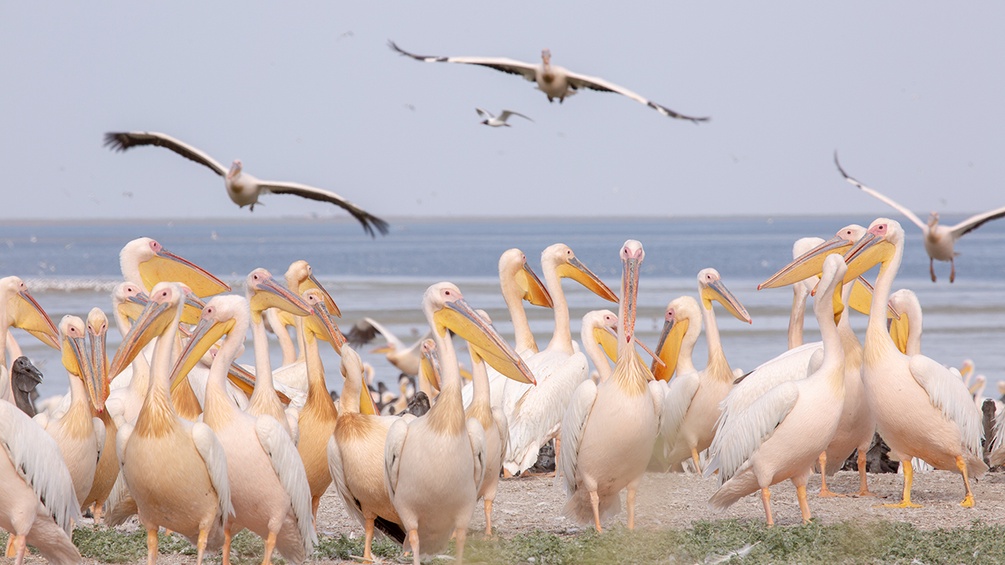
(268, 484)
(19, 309)
(609, 428)
(535, 413)
(433, 465)
(691, 404)
(405, 358)
(356, 458)
(800, 291)
(493, 121)
(145, 262)
(939, 240)
(176, 470)
(243, 188)
(599, 335)
(37, 502)
(681, 328)
(906, 330)
(554, 81)
(79, 436)
(922, 410)
(780, 435)
(108, 463)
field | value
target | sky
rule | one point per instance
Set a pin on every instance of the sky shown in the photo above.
(910, 93)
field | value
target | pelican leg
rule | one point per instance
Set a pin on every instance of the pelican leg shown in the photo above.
(413, 540)
(968, 501)
(97, 511)
(824, 491)
(931, 268)
(864, 488)
(367, 549)
(460, 534)
(804, 505)
(9, 551)
(766, 500)
(631, 505)
(595, 503)
(270, 546)
(200, 546)
(151, 545)
(952, 269)
(696, 459)
(17, 544)
(488, 517)
(315, 502)
(227, 539)
(908, 480)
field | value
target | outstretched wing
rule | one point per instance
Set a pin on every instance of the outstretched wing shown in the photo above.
(974, 222)
(483, 114)
(123, 140)
(511, 66)
(368, 220)
(875, 194)
(507, 113)
(577, 80)
(365, 330)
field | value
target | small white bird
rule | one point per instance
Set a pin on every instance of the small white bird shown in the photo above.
(493, 121)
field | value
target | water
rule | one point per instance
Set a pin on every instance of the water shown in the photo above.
(71, 267)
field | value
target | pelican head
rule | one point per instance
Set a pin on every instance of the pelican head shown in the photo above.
(811, 262)
(24, 312)
(604, 324)
(300, 277)
(933, 220)
(220, 317)
(164, 307)
(235, 169)
(632, 255)
(513, 265)
(129, 299)
(320, 322)
(568, 266)
(546, 57)
(711, 287)
(676, 322)
(75, 360)
(263, 291)
(145, 261)
(97, 332)
(429, 367)
(879, 245)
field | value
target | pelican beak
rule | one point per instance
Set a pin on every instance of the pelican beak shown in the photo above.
(270, 293)
(534, 290)
(871, 249)
(429, 367)
(28, 315)
(465, 374)
(134, 305)
(630, 288)
(166, 266)
(245, 380)
(577, 271)
(861, 299)
(204, 336)
(152, 322)
(668, 348)
(321, 324)
(899, 332)
(608, 341)
(717, 291)
(76, 362)
(98, 360)
(806, 265)
(192, 310)
(837, 303)
(458, 316)
(312, 282)
(384, 349)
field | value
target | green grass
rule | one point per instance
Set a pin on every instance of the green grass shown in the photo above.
(870, 542)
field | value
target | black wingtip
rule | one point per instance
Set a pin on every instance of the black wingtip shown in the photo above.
(115, 141)
(840, 168)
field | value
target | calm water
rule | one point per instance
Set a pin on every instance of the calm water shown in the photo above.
(72, 267)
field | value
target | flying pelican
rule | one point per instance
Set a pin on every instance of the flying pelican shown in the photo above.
(780, 435)
(535, 413)
(922, 410)
(356, 458)
(243, 188)
(37, 502)
(939, 240)
(19, 309)
(609, 428)
(405, 357)
(691, 404)
(493, 121)
(176, 470)
(554, 81)
(268, 483)
(108, 462)
(433, 465)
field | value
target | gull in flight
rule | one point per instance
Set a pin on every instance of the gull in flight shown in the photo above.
(553, 80)
(493, 121)
(939, 240)
(242, 188)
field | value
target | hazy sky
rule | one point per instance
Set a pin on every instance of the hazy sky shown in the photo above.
(911, 94)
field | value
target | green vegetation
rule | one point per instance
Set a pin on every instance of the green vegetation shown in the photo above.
(705, 542)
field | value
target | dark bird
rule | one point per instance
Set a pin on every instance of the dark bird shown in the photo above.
(25, 378)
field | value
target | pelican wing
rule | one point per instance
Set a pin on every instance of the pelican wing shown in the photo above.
(365, 330)
(948, 393)
(511, 66)
(998, 445)
(123, 140)
(507, 113)
(36, 457)
(289, 467)
(974, 222)
(746, 431)
(577, 80)
(875, 194)
(678, 398)
(476, 435)
(792, 365)
(395, 441)
(211, 450)
(368, 220)
(338, 477)
(573, 426)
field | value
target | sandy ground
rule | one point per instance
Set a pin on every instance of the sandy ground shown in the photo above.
(677, 500)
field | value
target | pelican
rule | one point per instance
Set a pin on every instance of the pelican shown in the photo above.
(37, 502)
(19, 309)
(492, 121)
(433, 465)
(922, 410)
(405, 357)
(609, 428)
(108, 463)
(176, 470)
(691, 404)
(554, 81)
(145, 262)
(535, 414)
(268, 483)
(940, 241)
(598, 332)
(780, 435)
(356, 458)
(242, 188)
(25, 378)
(681, 328)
